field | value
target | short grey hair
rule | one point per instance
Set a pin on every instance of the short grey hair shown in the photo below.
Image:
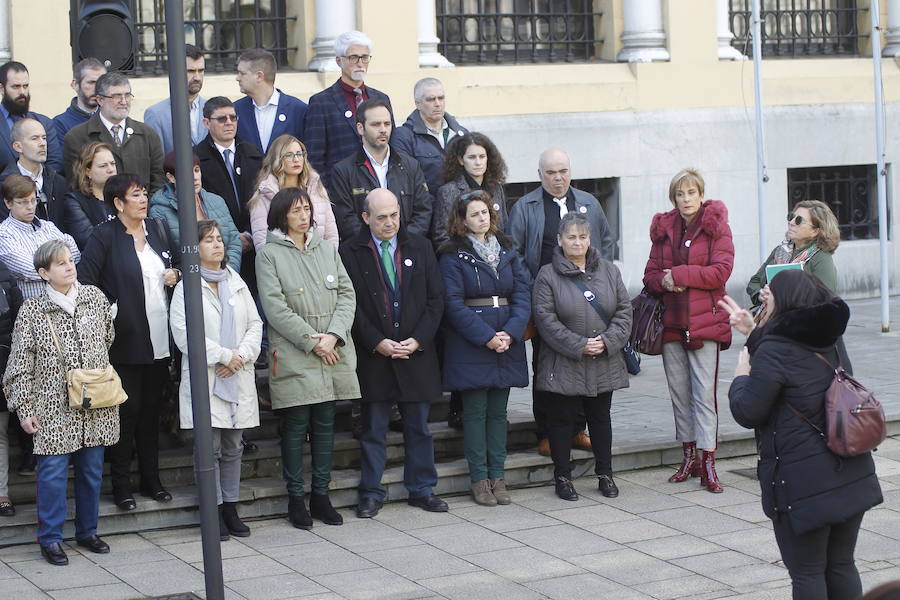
(16, 131)
(573, 219)
(108, 80)
(419, 88)
(351, 38)
(48, 252)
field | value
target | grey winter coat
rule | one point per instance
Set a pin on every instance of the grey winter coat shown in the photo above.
(565, 321)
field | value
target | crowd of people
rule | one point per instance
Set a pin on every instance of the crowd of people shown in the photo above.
(360, 261)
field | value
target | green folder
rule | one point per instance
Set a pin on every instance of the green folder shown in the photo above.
(773, 270)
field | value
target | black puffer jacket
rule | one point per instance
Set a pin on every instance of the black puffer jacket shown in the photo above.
(799, 476)
(10, 301)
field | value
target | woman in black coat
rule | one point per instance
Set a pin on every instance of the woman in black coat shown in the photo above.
(131, 259)
(816, 499)
(84, 206)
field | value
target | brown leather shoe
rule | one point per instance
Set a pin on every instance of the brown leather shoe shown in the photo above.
(582, 440)
(482, 494)
(544, 447)
(708, 476)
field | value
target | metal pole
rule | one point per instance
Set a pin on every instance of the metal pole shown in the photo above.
(881, 173)
(193, 302)
(761, 175)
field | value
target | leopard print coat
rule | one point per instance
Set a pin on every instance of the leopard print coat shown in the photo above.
(35, 378)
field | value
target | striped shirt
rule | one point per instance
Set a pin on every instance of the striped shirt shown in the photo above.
(18, 243)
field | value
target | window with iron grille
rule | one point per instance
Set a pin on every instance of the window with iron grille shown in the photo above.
(517, 31)
(849, 190)
(222, 29)
(604, 189)
(798, 28)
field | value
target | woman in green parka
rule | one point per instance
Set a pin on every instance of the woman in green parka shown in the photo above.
(309, 304)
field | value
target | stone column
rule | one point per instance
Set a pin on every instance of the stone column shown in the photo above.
(644, 38)
(724, 35)
(333, 17)
(428, 39)
(5, 53)
(892, 34)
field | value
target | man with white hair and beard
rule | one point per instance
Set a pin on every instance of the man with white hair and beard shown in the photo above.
(15, 105)
(330, 134)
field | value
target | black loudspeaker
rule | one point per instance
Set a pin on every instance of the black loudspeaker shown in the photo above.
(104, 29)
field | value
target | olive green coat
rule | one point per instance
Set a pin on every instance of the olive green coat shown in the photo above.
(304, 292)
(821, 265)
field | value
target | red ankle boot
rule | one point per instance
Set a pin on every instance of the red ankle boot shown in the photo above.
(691, 465)
(708, 477)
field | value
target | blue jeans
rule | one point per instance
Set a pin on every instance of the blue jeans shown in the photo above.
(52, 477)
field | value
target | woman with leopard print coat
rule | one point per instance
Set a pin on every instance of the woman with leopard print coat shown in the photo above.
(69, 326)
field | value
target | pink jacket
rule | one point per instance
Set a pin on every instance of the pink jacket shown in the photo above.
(322, 213)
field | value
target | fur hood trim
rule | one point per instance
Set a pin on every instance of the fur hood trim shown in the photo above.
(714, 221)
(817, 326)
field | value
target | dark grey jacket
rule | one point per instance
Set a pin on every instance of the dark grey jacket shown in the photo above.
(565, 320)
(412, 138)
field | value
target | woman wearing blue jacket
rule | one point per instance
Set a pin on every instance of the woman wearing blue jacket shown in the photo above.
(487, 304)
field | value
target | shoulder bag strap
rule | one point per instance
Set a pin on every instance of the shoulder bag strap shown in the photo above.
(591, 299)
(55, 339)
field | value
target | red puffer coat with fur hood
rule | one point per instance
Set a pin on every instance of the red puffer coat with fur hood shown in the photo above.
(709, 265)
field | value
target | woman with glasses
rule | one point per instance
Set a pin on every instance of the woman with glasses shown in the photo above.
(84, 206)
(811, 238)
(285, 166)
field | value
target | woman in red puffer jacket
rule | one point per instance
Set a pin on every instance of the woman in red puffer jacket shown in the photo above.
(690, 261)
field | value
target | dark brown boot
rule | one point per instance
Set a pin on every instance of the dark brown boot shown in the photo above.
(690, 467)
(708, 477)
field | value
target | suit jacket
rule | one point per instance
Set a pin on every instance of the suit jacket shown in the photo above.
(290, 118)
(421, 299)
(247, 162)
(159, 117)
(110, 262)
(9, 156)
(330, 134)
(141, 153)
(55, 188)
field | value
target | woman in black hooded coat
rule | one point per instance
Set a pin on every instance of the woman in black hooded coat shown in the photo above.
(816, 499)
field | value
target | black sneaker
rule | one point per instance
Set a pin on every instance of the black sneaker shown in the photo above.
(565, 489)
(607, 486)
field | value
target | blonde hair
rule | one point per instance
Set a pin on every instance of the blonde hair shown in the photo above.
(685, 176)
(84, 162)
(824, 220)
(273, 165)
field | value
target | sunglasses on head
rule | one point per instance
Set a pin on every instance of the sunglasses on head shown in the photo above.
(796, 219)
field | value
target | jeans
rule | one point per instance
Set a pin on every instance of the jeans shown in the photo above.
(52, 477)
(295, 422)
(484, 432)
(562, 413)
(821, 562)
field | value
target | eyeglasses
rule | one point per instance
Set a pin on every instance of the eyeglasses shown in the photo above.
(30, 202)
(293, 155)
(796, 219)
(359, 58)
(119, 97)
(225, 119)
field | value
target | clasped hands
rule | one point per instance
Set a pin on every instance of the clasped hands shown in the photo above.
(234, 365)
(668, 282)
(594, 346)
(397, 350)
(500, 342)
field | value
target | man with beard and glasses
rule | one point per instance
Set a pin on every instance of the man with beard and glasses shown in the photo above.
(30, 143)
(85, 74)
(14, 83)
(135, 146)
(159, 116)
(331, 134)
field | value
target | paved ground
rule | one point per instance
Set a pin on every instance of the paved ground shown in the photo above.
(657, 540)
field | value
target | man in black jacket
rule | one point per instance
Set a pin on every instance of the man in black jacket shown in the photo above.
(29, 141)
(377, 165)
(399, 295)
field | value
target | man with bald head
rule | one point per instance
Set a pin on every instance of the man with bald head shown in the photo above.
(399, 295)
(29, 142)
(533, 226)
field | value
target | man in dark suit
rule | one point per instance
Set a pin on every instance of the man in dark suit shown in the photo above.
(30, 143)
(15, 83)
(265, 112)
(330, 134)
(399, 295)
(136, 146)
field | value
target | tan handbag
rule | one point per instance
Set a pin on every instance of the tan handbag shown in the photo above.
(90, 388)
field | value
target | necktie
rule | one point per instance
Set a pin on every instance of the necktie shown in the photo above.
(115, 131)
(231, 174)
(359, 97)
(388, 261)
(562, 206)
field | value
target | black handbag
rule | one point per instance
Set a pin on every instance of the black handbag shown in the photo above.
(632, 359)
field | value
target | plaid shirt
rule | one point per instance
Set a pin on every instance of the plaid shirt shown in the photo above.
(18, 243)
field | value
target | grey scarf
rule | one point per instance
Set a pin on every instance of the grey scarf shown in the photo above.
(488, 250)
(225, 388)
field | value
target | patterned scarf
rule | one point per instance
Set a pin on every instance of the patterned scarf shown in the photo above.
(225, 388)
(784, 254)
(488, 250)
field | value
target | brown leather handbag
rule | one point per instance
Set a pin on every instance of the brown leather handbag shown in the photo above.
(647, 323)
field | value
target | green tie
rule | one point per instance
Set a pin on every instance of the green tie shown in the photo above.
(388, 261)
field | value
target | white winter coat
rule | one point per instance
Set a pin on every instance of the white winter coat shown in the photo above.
(248, 332)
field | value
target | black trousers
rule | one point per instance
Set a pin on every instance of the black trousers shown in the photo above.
(562, 412)
(821, 562)
(138, 426)
(539, 400)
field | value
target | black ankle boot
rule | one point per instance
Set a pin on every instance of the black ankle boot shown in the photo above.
(223, 528)
(320, 508)
(235, 526)
(297, 514)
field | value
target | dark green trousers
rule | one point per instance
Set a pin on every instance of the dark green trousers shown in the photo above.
(295, 422)
(484, 432)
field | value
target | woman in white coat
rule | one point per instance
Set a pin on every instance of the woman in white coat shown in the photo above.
(233, 336)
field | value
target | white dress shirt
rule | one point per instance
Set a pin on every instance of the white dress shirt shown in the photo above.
(265, 118)
(380, 169)
(109, 126)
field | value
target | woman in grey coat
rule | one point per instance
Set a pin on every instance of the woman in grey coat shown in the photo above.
(582, 364)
